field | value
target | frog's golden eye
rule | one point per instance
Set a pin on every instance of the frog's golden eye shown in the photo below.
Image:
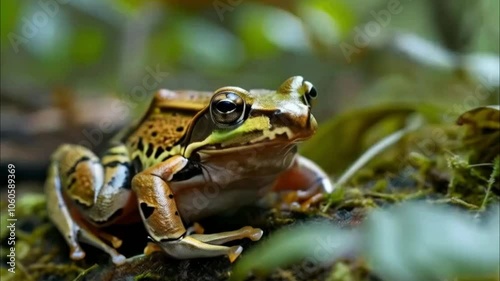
(227, 109)
(310, 95)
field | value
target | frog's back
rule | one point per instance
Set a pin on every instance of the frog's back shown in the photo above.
(160, 131)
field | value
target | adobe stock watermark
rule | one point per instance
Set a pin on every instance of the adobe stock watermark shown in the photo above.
(223, 6)
(32, 25)
(363, 35)
(11, 218)
(122, 107)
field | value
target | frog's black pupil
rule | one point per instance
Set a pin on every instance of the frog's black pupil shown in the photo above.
(225, 106)
(312, 93)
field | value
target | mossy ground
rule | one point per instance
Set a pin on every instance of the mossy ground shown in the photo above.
(444, 177)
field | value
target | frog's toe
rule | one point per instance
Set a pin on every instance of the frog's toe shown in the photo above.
(234, 252)
(151, 248)
(118, 259)
(76, 253)
(253, 233)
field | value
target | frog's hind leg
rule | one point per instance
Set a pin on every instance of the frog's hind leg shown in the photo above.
(303, 184)
(201, 244)
(76, 173)
(164, 224)
(59, 213)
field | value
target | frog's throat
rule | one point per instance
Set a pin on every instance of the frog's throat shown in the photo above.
(260, 123)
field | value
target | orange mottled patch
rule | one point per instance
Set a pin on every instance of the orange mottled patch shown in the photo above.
(161, 130)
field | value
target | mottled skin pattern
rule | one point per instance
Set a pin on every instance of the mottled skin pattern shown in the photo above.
(164, 125)
(193, 154)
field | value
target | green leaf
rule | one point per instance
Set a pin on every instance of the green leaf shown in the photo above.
(314, 242)
(412, 241)
(417, 241)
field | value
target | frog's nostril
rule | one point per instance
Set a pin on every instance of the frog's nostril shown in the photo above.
(280, 118)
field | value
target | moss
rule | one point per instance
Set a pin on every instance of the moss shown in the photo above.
(451, 174)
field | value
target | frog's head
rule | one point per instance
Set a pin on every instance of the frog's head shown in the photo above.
(237, 118)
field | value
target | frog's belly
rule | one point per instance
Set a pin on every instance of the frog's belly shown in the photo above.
(197, 199)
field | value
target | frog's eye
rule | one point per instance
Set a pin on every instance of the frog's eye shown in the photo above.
(310, 95)
(227, 109)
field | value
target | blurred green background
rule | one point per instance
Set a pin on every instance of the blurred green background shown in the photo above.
(60, 59)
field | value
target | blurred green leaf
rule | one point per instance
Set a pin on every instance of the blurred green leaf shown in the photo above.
(205, 45)
(340, 13)
(50, 41)
(129, 7)
(424, 242)
(88, 45)
(9, 18)
(412, 242)
(316, 242)
(266, 29)
(488, 34)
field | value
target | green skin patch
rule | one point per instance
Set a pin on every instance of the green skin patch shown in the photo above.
(260, 123)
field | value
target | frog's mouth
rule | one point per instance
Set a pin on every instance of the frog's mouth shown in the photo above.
(274, 136)
(257, 132)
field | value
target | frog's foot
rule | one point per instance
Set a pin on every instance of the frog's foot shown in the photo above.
(301, 200)
(302, 185)
(152, 247)
(75, 252)
(191, 248)
(188, 247)
(313, 200)
(206, 245)
(90, 238)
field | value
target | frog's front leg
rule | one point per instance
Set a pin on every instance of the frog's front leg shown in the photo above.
(304, 183)
(81, 183)
(162, 220)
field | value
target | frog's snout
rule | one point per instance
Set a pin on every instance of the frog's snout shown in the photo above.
(302, 123)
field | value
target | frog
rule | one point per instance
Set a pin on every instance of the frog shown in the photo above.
(193, 154)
